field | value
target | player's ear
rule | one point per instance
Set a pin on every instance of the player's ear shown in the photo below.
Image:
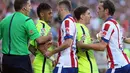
(81, 16)
(106, 11)
(41, 14)
(24, 9)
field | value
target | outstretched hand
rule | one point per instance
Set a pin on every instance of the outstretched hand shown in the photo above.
(48, 54)
(54, 63)
(99, 35)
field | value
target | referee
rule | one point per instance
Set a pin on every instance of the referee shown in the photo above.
(15, 31)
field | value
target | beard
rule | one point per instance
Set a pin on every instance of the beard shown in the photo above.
(59, 17)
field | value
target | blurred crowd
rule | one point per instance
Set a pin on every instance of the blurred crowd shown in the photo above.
(122, 14)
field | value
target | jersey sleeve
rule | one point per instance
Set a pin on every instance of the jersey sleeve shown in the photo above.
(31, 30)
(68, 29)
(106, 32)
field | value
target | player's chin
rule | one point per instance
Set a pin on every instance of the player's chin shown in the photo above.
(49, 21)
(87, 22)
(99, 15)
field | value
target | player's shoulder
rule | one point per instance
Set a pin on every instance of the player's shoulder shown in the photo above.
(70, 19)
(112, 21)
(110, 24)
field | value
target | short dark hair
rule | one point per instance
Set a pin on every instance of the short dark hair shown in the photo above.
(79, 11)
(18, 4)
(66, 3)
(42, 7)
(107, 4)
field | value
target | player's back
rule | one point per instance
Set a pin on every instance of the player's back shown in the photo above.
(14, 29)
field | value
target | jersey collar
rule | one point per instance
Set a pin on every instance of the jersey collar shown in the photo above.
(67, 16)
(42, 21)
(109, 18)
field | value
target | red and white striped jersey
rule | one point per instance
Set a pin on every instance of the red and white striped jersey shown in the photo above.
(67, 57)
(113, 36)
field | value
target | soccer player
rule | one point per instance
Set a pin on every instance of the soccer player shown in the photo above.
(111, 40)
(41, 64)
(67, 60)
(86, 59)
(15, 32)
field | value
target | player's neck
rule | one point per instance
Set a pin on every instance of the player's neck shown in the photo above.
(64, 15)
(23, 12)
(43, 20)
(106, 17)
(81, 21)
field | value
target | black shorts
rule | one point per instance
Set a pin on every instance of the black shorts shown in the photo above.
(16, 64)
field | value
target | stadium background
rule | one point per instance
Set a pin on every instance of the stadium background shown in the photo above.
(122, 14)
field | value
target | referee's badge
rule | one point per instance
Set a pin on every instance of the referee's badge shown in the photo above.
(31, 31)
